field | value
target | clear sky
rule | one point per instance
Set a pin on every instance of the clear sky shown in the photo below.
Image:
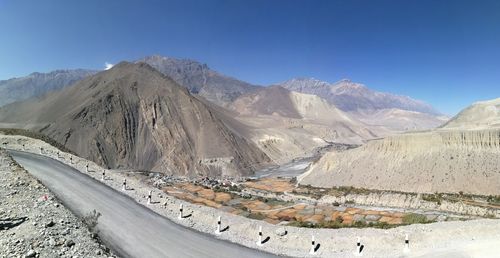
(446, 53)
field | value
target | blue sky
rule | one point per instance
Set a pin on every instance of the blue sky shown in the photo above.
(446, 53)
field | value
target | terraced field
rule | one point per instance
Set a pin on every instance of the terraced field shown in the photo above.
(305, 212)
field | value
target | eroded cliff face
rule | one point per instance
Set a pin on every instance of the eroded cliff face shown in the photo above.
(436, 140)
(434, 161)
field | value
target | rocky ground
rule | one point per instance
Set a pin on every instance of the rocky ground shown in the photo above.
(33, 223)
(477, 238)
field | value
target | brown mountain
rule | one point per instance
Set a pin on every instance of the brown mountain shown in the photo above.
(132, 116)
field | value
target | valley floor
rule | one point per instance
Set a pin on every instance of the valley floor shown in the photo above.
(444, 238)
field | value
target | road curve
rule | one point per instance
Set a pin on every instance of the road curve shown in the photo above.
(128, 228)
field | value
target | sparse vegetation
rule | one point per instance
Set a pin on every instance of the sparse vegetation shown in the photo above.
(414, 218)
(91, 221)
(436, 197)
(256, 215)
(338, 224)
(493, 199)
(234, 188)
(490, 216)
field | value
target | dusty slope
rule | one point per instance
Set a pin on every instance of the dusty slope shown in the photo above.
(398, 120)
(200, 79)
(482, 114)
(388, 112)
(37, 84)
(132, 116)
(444, 160)
(273, 100)
(287, 124)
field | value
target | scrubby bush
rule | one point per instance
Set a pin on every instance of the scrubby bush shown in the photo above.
(257, 216)
(414, 218)
(494, 199)
(337, 223)
(437, 198)
(91, 221)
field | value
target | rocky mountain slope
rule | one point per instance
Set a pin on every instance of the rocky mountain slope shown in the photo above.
(132, 116)
(442, 160)
(200, 79)
(37, 84)
(396, 113)
(287, 124)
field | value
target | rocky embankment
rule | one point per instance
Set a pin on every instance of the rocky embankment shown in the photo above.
(33, 223)
(445, 161)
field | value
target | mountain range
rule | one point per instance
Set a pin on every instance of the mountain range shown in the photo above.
(388, 111)
(392, 113)
(134, 117)
(350, 96)
(199, 79)
(263, 124)
(37, 84)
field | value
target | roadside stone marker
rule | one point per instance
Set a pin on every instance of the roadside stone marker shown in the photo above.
(103, 175)
(149, 196)
(217, 231)
(407, 244)
(259, 242)
(359, 247)
(87, 168)
(124, 184)
(313, 250)
(181, 207)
